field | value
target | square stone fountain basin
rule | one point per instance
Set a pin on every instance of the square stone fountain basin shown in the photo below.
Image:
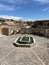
(24, 40)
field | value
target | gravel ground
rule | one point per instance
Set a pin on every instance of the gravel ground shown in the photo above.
(37, 54)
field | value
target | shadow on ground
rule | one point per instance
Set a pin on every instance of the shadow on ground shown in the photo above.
(28, 46)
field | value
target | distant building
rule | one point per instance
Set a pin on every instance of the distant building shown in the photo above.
(7, 25)
(41, 27)
(37, 27)
(41, 24)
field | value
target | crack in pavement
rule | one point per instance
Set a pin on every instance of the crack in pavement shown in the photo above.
(38, 57)
(41, 47)
(31, 51)
(7, 55)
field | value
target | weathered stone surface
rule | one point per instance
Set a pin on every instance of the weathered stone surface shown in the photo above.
(37, 54)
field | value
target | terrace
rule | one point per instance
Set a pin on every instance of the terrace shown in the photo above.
(37, 54)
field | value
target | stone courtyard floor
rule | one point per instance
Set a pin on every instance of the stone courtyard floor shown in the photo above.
(37, 54)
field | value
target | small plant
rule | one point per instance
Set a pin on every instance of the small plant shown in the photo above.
(14, 31)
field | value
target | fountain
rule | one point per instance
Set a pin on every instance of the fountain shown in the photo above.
(24, 40)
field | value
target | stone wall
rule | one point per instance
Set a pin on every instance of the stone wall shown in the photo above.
(37, 31)
(40, 31)
(0, 29)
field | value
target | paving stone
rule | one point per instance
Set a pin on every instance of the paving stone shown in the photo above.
(11, 55)
(21, 56)
(42, 53)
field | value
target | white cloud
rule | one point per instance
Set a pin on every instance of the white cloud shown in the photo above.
(6, 7)
(42, 1)
(24, 1)
(46, 9)
(29, 20)
(15, 18)
(11, 17)
(10, 4)
(13, 1)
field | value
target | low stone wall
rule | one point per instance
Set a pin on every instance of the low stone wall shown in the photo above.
(26, 30)
(6, 29)
(37, 31)
(0, 29)
(40, 31)
(47, 32)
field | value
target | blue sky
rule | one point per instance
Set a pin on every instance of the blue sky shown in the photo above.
(25, 9)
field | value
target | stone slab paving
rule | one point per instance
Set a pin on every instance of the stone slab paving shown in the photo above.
(42, 49)
(21, 56)
(42, 41)
(5, 46)
(42, 54)
(37, 54)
